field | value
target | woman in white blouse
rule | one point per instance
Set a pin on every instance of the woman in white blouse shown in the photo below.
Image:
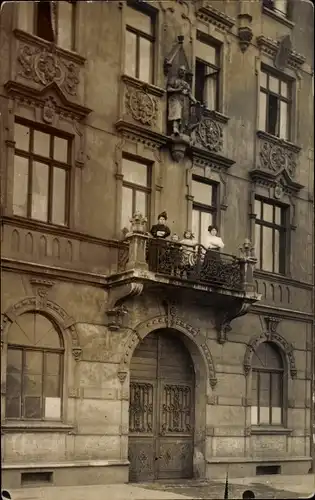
(214, 242)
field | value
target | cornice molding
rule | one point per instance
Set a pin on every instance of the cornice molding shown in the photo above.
(146, 87)
(270, 47)
(261, 134)
(141, 134)
(205, 12)
(30, 95)
(204, 158)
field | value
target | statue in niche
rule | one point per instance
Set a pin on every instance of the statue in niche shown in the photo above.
(161, 230)
(180, 99)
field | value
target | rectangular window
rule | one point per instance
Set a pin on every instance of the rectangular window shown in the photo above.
(207, 71)
(267, 398)
(56, 22)
(279, 6)
(270, 236)
(204, 208)
(139, 45)
(41, 175)
(136, 190)
(275, 106)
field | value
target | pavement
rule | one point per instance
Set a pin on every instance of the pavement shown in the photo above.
(273, 487)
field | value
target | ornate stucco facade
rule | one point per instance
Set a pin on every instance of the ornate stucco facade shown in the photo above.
(122, 403)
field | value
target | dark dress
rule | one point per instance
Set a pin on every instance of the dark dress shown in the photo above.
(160, 227)
(157, 247)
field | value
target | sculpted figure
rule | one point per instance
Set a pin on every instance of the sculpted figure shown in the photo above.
(179, 101)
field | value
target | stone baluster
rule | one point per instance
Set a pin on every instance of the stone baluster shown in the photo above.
(137, 239)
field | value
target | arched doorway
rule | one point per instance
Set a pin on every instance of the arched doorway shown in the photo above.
(161, 410)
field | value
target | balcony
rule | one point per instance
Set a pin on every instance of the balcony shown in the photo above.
(219, 281)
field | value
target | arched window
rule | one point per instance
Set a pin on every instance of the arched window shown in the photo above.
(34, 369)
(267, 386)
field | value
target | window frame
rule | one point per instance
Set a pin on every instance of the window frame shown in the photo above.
(138, 187)
(73, 24)
(52, 163)
(270, 4)
(215, 68)
(284, 232)
(151, 13)
(203, 208)
(280, 98)
(282, 391)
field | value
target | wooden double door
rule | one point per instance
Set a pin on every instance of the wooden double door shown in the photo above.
(161, 411)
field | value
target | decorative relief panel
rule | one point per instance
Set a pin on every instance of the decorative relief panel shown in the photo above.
(276, 158)
(208, 134)
(176, 409)
(44, 67)
(142, 103)
(141, 407)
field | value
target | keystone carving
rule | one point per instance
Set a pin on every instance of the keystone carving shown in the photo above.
(208, 134)
(245, 35)
(45, 67)
(49, 110)
(272, 324)
(142, 106)
(276, 158)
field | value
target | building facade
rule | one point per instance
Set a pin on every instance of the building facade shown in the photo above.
(155, 359)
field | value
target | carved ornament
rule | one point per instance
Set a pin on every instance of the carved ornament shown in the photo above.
(49, 110)
(142, 106)
(285, 346)
(245, 35)
(159, 322)
(277, 158)
(208, 133)
(206, 12)
(43, 66)
(117, 295)
(272, 324)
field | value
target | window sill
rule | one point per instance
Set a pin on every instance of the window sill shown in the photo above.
(278, 17)
(39, 426)
(27, 37)
(267, 430)
(216, 115)
(135, 82)
(276, 140)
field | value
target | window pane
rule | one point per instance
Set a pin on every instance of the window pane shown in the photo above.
(254, 387)
(274, 84)
(202, 192)
(20, 186)
(65, 24)
(267, 212)
(264, 389)
(276, 415)
(61, 149)
(14, 380)
(283, 133)
(254, 415)
(59, 196)
(127, 208)
(206, 52)
(32, 407)
(52, 409)
(257, 244)
(262, 111)
(40, 191)
(263, 80)
(141, 204)
(278, 215)
(195, 224)
(276, 393)
(32, 385)
(284, 89)
(52, 386)
(138, 20)
(21, 137)
(52, 364)
(145, 62)
(134, 172)
(273, 115)
(33, 362)
(130, 54)
(267, 256)
(41, 143)
(277, 251)
(206, 221)
(211, 92)
(13, 407)
(264, 415)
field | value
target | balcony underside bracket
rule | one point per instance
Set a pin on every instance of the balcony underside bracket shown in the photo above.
(224, 317)
(117, 295)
